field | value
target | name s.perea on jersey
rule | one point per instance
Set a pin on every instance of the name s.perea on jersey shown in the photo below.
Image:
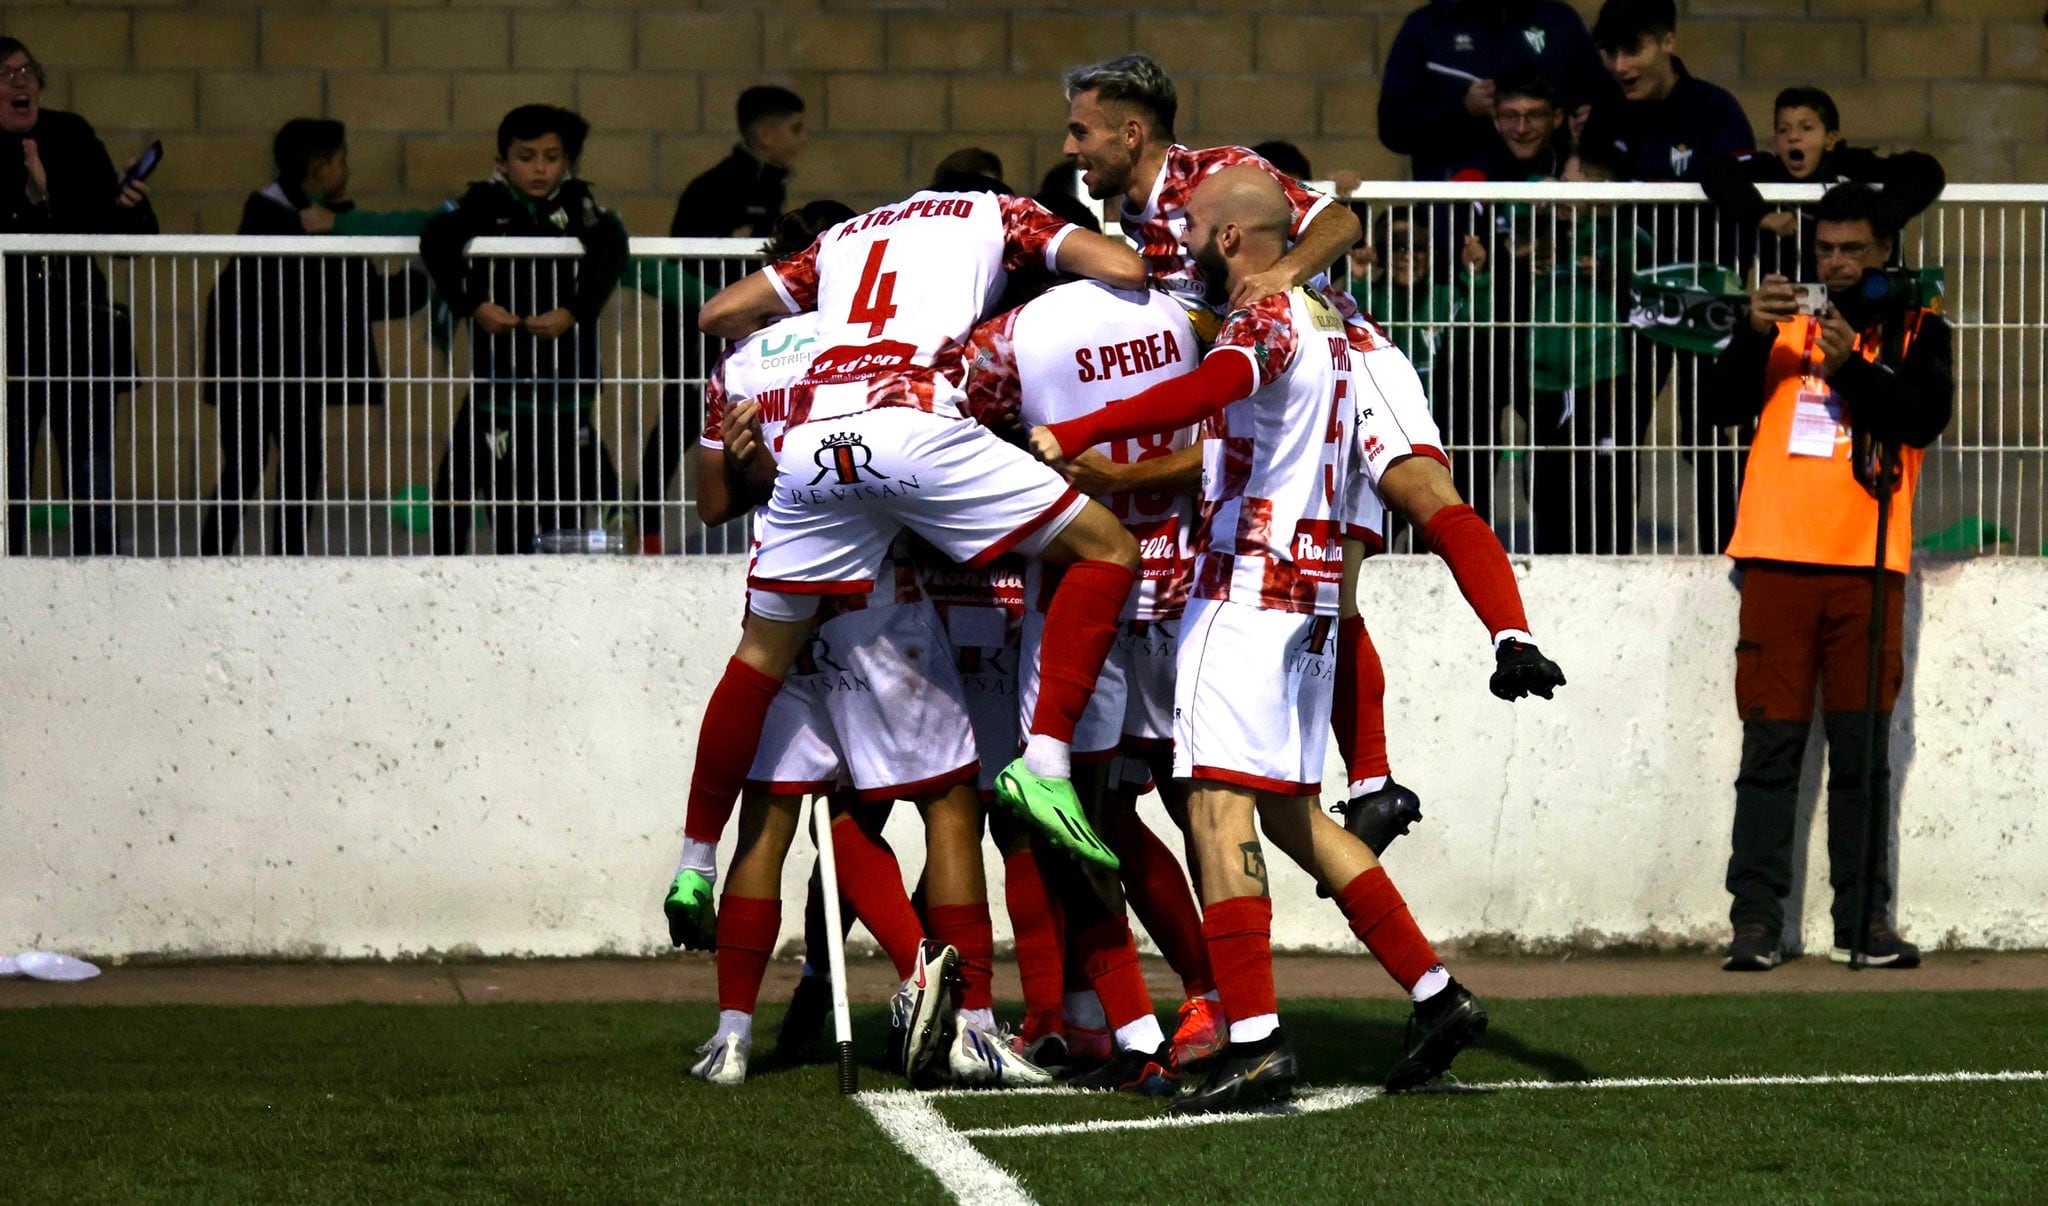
(926, 207)
(1128, 358)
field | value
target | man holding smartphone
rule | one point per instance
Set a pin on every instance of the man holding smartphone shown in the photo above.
(1850, 380)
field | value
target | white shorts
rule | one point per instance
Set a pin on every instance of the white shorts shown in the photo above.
(1252, 699)
(845, 487)
(985, 652)
(873, 701)
(1393, 420)
(1101, 727)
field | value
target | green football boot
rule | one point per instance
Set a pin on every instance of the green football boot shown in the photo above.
(1051, 807)
(692, 924)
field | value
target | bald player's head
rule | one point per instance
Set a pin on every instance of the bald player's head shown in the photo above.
(1237, 225)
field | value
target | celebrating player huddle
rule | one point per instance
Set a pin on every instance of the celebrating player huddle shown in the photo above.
(927, 596)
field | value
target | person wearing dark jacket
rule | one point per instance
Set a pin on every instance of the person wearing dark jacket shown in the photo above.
(1438, 90)
(1848, 399)
(69, 346)
(741, 197)
(1807, 148)
(289, 336)
(1667, 127)
(524, 434)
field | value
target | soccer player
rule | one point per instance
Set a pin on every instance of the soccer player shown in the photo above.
(1069, 352)
(1256, 659)
(872, 705)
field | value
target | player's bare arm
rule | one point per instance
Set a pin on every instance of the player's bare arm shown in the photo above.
(1329, 235)
(1099, 257)
(1178, 473)
(733, 481)
(742, 308)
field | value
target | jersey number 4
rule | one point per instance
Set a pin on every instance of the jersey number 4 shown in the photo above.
(874, 299)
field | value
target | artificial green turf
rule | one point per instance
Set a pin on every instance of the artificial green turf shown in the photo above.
(586, 1102)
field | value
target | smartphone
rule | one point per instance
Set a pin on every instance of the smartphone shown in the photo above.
(1813, 299)
(143, 166)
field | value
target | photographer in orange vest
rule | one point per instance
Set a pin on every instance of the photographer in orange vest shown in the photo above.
(1846, 400)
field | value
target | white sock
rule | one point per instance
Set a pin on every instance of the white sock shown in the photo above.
(983, 1020)
(732, 1021)
(701, 857)
(1141, 1035)
(1433, 981)
(1511, 634)
(1251, 1030)
(1084, 1009)
(1365, 787)
(1048, 757)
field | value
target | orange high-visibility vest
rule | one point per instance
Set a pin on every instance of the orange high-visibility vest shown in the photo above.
(1810, 508)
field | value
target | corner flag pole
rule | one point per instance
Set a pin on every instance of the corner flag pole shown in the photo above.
(835, 942)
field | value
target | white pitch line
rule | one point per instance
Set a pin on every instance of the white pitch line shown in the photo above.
(916, 1126)
(1314, 1101)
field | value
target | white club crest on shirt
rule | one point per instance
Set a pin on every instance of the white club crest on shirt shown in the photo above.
(1462, 43)
(1681, 159)
(1534, 37)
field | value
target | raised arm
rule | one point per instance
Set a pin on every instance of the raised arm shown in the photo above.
(1100, 257)
(743, 307)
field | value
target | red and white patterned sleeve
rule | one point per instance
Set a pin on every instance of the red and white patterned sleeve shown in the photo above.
(1031, 231)
(796, 278)
(1264, 333)
(715, 403)
(994, 391)
(1302, 203)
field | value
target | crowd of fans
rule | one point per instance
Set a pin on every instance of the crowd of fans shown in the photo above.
(1508, 91)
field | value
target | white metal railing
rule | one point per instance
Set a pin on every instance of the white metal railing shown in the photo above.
(1570, 429)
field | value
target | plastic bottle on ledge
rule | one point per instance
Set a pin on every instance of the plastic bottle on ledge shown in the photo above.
(580, 540)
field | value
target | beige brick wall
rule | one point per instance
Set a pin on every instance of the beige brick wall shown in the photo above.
(895, 84)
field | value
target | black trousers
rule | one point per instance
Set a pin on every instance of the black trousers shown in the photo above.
(253, 420)
(1766, 807)
(1582, 475)
(81, 417)
(536, 469)
(1717, 460)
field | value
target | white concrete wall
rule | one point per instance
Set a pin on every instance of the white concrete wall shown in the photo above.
(380, 758)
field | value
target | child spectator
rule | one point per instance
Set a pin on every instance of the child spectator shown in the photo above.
(289, 336)
(524, 434)
(1669, 123)
(1807, 148)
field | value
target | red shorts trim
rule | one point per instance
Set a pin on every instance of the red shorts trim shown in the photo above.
(775, 787)
(783, 586)
(1279, 787)
(1433, 453)
(1025, 530)
(1374, 543)
(923, 787)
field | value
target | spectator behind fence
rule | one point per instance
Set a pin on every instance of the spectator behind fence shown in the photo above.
(523, 439)
(739, 198)
(69, 345)
(1807, 148)
(1849, 398)
(1530, 139)
(1056, 193)
(1667, 128)
(1438, 91)
(289, 336)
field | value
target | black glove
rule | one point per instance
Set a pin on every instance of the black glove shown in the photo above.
(1523, 670)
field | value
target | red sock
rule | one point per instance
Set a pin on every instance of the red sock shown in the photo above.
(747, 927)
(1240, 936)
(726, 744)
(1111, 959)
(1036, 921)
(1160, 896)
(967, 929)
(1080, 626)
(1358, 710)
(1381, 920)
(1480, 565)
(872, 882)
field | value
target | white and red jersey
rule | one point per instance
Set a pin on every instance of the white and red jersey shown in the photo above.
(1072, 351)
(1160, 228)
(1272, 472)
(764, 368)
(897, 290)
